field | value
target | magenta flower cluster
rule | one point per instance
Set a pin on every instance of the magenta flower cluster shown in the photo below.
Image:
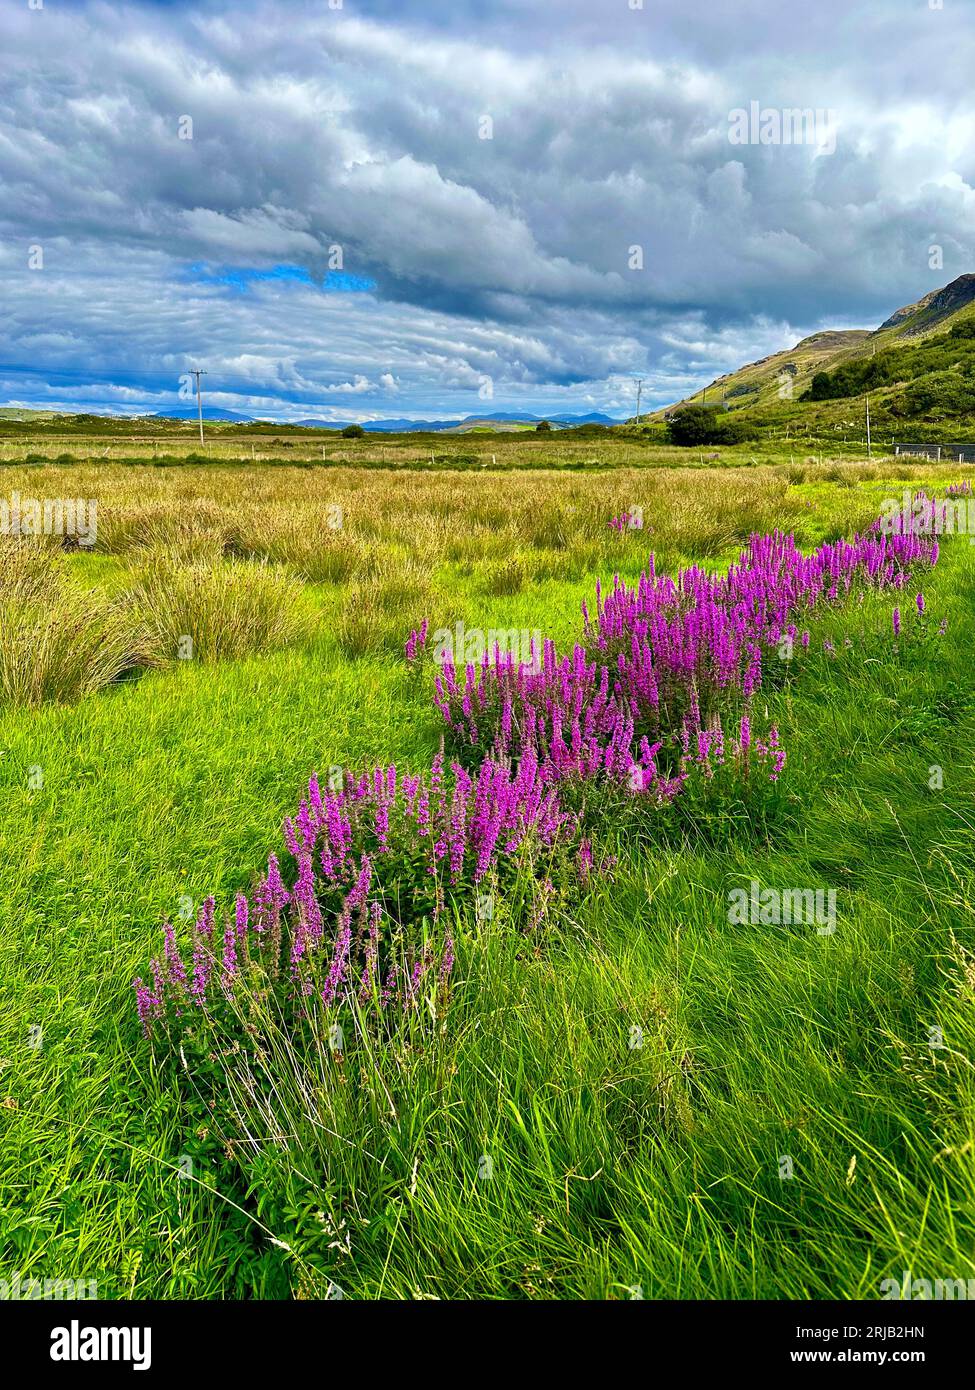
(573, 719)
(658, 659)
(354, 847)
(416, 641)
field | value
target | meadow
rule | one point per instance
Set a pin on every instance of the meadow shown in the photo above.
(601, 1087)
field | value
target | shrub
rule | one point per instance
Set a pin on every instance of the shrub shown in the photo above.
(591, 431)
(353, 432)
(696, 424)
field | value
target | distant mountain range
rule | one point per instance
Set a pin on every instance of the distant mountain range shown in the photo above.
(500, 419)
(210, 412)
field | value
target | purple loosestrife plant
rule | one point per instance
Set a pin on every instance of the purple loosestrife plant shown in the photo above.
(663, 652)
(629, 720)
(381, 846)
(416, 642)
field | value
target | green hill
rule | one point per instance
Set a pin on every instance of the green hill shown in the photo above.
(918, 368)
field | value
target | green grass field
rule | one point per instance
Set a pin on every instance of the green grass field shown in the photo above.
(521, 1146)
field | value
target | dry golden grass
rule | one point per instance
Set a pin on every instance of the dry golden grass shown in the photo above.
(30, 570)
(247, 559)
(335, 525)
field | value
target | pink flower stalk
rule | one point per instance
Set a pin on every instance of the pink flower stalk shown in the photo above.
(144, 1005)
(416, 641)
(447, 960)
(340, 956)
(229, 954)
(175, 968)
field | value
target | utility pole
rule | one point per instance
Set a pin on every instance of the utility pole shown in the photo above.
(195, 371)
(639, 389)
(869, 446)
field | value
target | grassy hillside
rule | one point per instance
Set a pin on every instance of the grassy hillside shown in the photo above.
(918, 367)
(759, 383)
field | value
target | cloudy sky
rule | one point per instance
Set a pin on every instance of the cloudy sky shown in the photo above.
(392, 208)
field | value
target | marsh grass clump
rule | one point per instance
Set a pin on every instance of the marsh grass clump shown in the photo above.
(314, 546)
(227, 609)
(377, 612)
(329, 558)
(549, 530)
(30, 570)
(504, 577)
(59, 641)
(192, 526)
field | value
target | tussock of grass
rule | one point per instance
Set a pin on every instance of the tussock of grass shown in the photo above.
(66, 652)
(228, 609)
(194, 527)
(307, 544)
(505, 577)
(550, 530)
(30, 571)
(377, 613)
(59, 642)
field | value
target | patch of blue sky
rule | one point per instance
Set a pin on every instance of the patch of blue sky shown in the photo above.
(240, 278)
